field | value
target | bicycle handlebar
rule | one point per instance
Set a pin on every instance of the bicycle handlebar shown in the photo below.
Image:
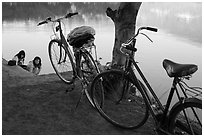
(138, 32)
(41, 23)
(128, 42)
(49, 19)
(69, 15)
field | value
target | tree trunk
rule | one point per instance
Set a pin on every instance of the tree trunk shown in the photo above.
(125, 21)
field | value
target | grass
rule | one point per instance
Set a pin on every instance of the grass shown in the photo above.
(41, 106)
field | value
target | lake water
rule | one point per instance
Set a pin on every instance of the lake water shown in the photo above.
(17, 35)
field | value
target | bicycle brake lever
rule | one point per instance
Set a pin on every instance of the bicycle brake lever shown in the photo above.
(147, 37)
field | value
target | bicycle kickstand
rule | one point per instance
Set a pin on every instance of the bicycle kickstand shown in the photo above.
(84, 86)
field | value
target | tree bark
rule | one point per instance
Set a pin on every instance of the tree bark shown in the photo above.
(124, 19)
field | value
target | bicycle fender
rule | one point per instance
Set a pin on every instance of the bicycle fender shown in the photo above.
(56, 40)
(184, 102)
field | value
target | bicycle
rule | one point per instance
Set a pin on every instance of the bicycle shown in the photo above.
(63, 60)
(123, 100)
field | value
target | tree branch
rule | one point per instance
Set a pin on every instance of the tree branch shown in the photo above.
(110, 13)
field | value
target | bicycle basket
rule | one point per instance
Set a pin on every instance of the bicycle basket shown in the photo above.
(80, 35)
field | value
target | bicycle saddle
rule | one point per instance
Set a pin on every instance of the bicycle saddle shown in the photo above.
(178, 70)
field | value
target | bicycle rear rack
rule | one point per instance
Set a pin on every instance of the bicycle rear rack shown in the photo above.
(195, 92)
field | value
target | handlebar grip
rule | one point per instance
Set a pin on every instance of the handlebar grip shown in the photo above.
(152, 29)
(43, 22)
(71, 14)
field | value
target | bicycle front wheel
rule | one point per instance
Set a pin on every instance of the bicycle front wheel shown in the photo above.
(61, 61)
(118, 99)
(186, 118)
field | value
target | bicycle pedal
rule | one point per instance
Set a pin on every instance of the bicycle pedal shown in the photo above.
(70, 89)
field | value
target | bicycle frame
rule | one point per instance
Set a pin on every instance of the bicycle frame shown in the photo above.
(160, 118)
(147, 97)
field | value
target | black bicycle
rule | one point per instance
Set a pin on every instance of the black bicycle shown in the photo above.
(63, 60)
(122, 99)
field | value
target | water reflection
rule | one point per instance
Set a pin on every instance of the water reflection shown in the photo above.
(34, 40)
(181, 18)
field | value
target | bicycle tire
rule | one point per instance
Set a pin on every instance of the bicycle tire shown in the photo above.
(128, 112)
(61, 61)
(89, 70)
(178, 123)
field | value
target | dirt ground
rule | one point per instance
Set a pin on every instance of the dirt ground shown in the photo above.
(40, 105)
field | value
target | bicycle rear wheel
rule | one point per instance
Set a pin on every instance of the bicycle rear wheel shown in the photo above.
(89, 67)
(186, 118)
(118, 99)
(61, 61)
(89, 70)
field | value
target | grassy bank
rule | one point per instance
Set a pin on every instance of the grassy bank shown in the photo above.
(40, 105)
